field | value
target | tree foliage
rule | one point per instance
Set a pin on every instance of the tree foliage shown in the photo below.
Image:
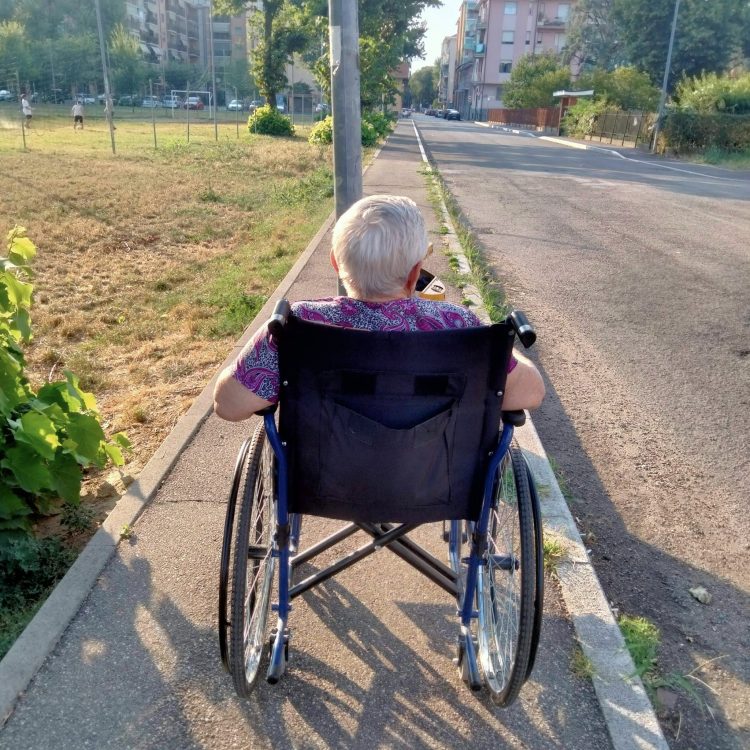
(593, 40)
(533, 80)
(423, 84)
(128, 68)
(15, 54)
(707, 35)
(709, 92)
(622, 88)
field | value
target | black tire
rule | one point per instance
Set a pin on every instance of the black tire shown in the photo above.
(253, 565)
(506, 584)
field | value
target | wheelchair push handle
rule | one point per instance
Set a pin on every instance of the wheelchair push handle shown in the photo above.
(524, 330)
(278, 319)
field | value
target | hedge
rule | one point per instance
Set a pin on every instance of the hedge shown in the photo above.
(688, 132)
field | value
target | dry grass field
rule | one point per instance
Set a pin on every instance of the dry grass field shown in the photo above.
(152, 261)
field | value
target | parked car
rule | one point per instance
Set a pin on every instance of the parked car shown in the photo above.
(84, 99)
(431, 112)
(150, 101)
(172, 102)
(452, 114)
(235, 106)
(322, 107)
(193, 102)
(6, 96)
(129, 101)
(102, 99)
(405, 112)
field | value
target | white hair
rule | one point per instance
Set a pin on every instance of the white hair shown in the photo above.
(377, 242)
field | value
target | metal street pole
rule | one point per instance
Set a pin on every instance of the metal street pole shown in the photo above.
(153, 108)
(213, 72)
(107, 92)
(663, 97)
(343, 33)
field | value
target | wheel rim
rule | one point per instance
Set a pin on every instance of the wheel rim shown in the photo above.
(260, 568)
(499, 589)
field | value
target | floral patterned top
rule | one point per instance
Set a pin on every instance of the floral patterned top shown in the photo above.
(257, 366)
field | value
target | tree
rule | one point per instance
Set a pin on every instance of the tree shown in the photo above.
(533, 80)
(422, 85)
(77, 61)
(707, 35)
(593, 40)
(16, 60)
(626, 88)
(128, 67)
(237, 77)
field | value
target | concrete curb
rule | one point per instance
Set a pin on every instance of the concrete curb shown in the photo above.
(627, 710)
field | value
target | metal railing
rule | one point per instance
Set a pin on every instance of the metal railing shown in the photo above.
(621, 127)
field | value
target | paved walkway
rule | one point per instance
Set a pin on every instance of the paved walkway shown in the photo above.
(371, 650)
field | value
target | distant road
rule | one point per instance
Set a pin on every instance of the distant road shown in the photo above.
(638, 279)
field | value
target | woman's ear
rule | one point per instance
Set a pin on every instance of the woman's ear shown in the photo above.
(333, 262)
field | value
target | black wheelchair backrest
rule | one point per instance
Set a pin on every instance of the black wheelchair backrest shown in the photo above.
(390, 426)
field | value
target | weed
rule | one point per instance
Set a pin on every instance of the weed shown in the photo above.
(580, 664)
(562, 480)
(76, 517)
(137, 414)
(126, 532)
(642, 638)
(209, 195)
(554, 552)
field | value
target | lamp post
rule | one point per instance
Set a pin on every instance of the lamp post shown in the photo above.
(663, 97)
(105, 72)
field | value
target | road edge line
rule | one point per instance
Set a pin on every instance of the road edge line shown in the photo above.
(626, 708)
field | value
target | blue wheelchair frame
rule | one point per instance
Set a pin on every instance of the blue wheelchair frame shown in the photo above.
(287, 541)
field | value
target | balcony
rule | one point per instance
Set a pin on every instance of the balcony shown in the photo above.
(481, 23)
(479, 50)
(551, 23)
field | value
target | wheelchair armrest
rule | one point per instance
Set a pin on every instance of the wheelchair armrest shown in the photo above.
(524, 330)
(515, 418)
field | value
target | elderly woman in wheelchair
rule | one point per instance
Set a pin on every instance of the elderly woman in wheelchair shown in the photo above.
(361, 382)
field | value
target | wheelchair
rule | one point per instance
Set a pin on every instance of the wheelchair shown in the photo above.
(388, 431)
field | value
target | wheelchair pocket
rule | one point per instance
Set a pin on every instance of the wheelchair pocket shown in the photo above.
(364, 462)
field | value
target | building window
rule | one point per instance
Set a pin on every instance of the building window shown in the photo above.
(563, 11)
(510, 9)
(505, 66)
(499, 93)
(559, 42)
(508, 37)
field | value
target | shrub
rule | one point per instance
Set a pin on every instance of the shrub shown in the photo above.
(710, 93)
(688, 132)
(47, 436)
(382, 123)
(369, 134)
(322, 133)
(580, 118)
(267, 120)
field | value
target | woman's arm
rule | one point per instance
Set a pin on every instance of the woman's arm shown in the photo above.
(233, 401)
(524, 387)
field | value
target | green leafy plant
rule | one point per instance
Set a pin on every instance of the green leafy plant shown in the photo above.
(267, 120)
(382, 123)
(369, 134)
(321, 134)
(47, 436)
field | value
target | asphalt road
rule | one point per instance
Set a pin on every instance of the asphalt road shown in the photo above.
(371, 649)
(637, 275)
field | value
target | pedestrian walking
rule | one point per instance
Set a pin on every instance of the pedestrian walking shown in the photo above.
(77, 112)
(28, 113)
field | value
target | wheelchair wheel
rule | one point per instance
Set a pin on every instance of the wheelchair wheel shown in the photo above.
(253, 565)
(506, 584)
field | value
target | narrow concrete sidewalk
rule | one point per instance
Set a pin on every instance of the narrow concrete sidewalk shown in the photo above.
(371, 650)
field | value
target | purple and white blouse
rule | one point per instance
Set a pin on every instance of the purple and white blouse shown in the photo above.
(257, 366)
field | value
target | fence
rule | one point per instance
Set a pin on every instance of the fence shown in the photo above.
(538, 118)
(633, 127)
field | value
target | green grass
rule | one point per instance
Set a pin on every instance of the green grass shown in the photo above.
(642, 638)
(581, 665)
(562, 480)
(554, 553)
(717, 157)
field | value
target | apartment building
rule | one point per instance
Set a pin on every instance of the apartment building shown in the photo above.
(466, 39)
(447, 70)
(505, 31)
(182, 31)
